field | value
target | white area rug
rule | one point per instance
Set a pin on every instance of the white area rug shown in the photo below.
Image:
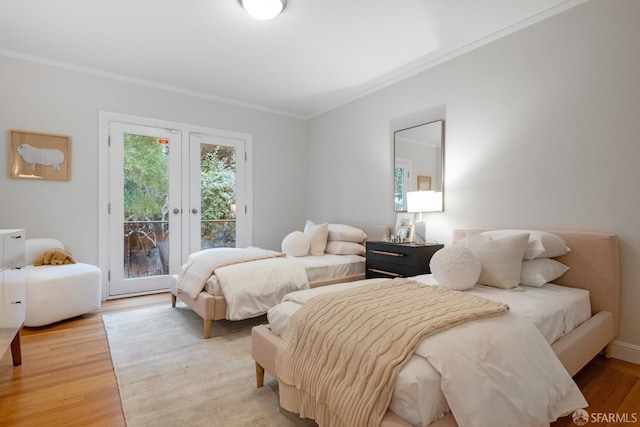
(168, 375)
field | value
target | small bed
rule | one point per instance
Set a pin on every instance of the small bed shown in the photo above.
(321, 270)
(585, 324)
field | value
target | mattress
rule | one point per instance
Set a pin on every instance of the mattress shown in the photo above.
(328, 266)
(555, 310)
(417, 398)
(321, 267)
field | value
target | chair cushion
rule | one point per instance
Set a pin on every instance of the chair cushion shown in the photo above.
(59, 292)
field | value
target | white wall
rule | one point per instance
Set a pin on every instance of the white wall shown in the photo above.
(44, 99)
(542, 131)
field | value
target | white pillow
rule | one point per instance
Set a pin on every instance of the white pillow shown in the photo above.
(317, 235)
(34, 248)
(537, 272)
(337, 247)
(501, 258)
(541, 243)
(346, 233)
(295, 244)
(455, 267)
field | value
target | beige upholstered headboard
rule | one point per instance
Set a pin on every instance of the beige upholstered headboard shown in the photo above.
(374, 232)
(594, 264)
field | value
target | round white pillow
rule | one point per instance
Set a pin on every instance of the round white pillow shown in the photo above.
(455, 267)
(295, 244)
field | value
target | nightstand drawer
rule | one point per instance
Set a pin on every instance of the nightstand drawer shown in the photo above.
(383, 269)
(394, 254)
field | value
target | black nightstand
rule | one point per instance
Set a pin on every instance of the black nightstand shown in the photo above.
(398, 259)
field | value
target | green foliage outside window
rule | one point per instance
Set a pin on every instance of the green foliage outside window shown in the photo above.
(399, 189)
(218, 195)
(146, 179)
(146, 183)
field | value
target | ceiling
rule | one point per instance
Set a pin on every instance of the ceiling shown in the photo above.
(317, 55)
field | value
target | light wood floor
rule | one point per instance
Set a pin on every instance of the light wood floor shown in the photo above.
(67, 379)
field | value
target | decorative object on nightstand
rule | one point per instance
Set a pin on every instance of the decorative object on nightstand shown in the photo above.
(404, 228)
(419, 202)
(385, 259)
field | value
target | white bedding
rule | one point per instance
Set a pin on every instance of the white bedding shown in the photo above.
(555, 310)
(250, 292)
(328, 266)
(321, 267)
(418, 396)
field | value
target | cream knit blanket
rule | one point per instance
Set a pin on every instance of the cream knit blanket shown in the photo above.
(342, 351)
(202, 264)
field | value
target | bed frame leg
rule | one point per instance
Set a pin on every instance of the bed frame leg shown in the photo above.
(259, 375)
(206, 328)
(608, 350)
(173, 300)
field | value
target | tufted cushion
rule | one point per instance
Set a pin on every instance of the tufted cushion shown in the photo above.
(295, 244)
(455, 267)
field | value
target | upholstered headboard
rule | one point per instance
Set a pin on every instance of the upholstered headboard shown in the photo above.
(374, 232)
(594, 264)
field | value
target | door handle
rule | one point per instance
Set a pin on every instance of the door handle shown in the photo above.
(194, 211)
(176, 211)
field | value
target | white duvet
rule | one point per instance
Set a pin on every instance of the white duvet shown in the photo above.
(250, 289)
(498, 371)
(318, 268)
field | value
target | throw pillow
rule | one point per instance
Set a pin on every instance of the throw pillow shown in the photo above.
(501, 258)
(542, 244)
(455, 267)
(336, 247)
(538, 272)
(295, 244)
(317, 235)
(346, 233)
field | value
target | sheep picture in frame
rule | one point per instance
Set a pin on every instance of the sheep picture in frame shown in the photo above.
(34, 155)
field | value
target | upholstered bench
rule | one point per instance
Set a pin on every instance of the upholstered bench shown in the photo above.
(58, 292)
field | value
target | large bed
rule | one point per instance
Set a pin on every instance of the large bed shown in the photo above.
(590, 290)
(320, 270)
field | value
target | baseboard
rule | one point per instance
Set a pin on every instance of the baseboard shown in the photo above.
(625, 351)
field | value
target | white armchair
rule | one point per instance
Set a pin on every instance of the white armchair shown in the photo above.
(58, 292)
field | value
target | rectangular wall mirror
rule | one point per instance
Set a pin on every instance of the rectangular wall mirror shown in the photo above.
(419, 163)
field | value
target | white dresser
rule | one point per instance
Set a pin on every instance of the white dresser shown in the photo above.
(12, 291)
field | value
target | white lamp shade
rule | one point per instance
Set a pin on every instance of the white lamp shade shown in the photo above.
(263, 9)
(424, 201)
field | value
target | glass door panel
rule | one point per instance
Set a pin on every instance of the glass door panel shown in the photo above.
(217, 198)
(144, 228)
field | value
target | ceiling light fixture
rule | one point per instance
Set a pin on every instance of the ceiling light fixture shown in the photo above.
(263, 9)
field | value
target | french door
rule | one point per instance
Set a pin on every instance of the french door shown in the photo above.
(172, 192)
(145, 221)
(216, 171)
